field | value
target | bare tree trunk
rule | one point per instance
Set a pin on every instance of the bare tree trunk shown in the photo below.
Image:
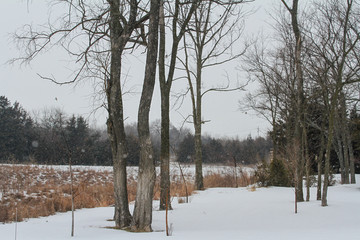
(346, 156)
(352, 158)
(165, 119)
(344, 127)
(339, 151)
(235, 172)
(307, 165)
(72, 197)
(326, 172)
(165, 156)
(318, 191)
(185, 184)
(207, 36)
(199, 182)
(146, 178)
(319, 162)
(328, 147)
(165, 86)
(300, 111)
(166, 217)
(115, 123)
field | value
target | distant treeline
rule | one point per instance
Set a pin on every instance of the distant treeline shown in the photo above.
(55, 138)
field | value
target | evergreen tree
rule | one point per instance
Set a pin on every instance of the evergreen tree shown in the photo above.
(16, 131)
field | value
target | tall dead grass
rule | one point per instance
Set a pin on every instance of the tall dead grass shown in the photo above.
(32, 191)
(228, 179)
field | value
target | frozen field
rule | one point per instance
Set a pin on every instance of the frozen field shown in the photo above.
(219, 213)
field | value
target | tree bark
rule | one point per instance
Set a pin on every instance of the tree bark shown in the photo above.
(319, 169)
(165, 86)
(344, 138)
(199, 182)
(319, 162)
(142, 218)
(332, 112)
(307, 165)
(300, 111)
(165, 119)
(352, 158)
(339, 151)
(115, 123)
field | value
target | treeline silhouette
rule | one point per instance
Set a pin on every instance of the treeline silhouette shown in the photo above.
(54, 137)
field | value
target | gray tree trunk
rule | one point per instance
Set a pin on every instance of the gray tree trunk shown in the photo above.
(333, 103)
(165, 86)
(319, 163)
(344, 138)
(307, 165)
(339, 152)
(352, 158)
(142, 218)
(119, 37)
(199, 182)
(165, 119)
(299, 101)
(319, 169)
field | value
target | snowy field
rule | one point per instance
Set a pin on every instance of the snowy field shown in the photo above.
(188, 169)
(220, 213)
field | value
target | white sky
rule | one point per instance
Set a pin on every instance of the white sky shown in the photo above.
(22, 84)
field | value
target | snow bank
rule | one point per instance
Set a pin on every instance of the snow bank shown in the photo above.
(221, 213)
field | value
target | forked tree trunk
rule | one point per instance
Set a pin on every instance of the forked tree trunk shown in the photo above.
(165, 119)
(142, 218)
(119, 153)
(165, 86)
(119, 36)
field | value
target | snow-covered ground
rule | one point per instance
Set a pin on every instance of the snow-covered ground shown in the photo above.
(187, 169)
(220, 213)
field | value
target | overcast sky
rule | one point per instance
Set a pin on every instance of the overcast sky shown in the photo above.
(22, 83)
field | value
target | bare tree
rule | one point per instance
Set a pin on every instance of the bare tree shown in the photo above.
(175, 11)
(142, 218)
(85, 32)
(216, 27)
(299, 127)
(335, 43)
(271, 70)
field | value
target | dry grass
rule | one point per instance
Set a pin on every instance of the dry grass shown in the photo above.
(228, 179)
(33, 191)
(28, 191)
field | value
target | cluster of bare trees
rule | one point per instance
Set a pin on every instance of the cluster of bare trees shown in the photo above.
(97, 34)
(309, 80)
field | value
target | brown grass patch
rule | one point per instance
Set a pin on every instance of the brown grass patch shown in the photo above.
(30, 191)
(34, 191)
(228, 179)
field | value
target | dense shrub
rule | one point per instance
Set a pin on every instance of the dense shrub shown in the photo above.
(262, 174)
(273, 174)
(279, 175)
